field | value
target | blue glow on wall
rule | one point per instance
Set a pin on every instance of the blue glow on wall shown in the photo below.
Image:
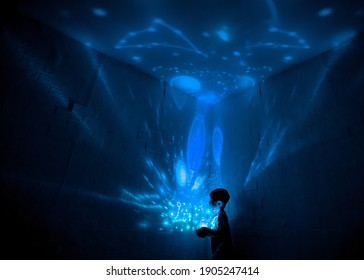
(181, 173)
(186, 83)
(141, 38)
(287, 58)
(137, 58)
(169, 39)
(325, 12)
(196, 143)
(178, 195)
(343, 37)
(246, 82)
(209, 98)
(223, 34)
(217, 141)
(99, 12)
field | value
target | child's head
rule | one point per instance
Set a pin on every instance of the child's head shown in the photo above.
(219, 197)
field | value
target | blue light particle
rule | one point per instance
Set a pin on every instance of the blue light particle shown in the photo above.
(137, 58)
(217, 141)
(287, 58)
(223, 35)
(236, 53)
(99, 12)
(325, 12)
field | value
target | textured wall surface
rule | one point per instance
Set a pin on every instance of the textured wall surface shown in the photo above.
(78, 132)
(294, 157)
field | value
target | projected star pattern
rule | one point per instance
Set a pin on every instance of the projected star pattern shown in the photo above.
(224, 47)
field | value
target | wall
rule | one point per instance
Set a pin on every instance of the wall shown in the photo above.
(293, 158)
(89, 148)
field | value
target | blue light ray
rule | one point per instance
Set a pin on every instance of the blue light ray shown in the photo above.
(181, 173)
(300, 42)
(217, 141)
(189, 46)
(196, 143)
(273, 10)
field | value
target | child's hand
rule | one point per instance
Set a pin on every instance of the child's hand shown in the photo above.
(202, 232)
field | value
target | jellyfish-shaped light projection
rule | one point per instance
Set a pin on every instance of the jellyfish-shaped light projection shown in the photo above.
(246, 82)
(186, 84)
(217, 140)
(196, 143)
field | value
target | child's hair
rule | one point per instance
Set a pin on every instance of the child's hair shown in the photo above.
(220, 194)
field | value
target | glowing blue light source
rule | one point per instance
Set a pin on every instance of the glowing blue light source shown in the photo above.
(99, 12)
(223, 35)
(181, 173)
(217, 140)
(187, 84)
(236, 53)
(325, 12)
(196, 143)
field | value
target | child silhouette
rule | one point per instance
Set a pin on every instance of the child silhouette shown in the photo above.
(221, 237)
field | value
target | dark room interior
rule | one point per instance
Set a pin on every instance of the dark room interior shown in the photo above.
(119, 117)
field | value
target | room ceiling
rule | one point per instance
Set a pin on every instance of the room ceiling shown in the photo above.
(209, 49)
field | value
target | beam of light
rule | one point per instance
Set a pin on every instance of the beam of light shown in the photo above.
(324, 74)
(343, 38)
(186, 84)
(259, 163)
(149, 183)
(217, 141)
(196, 143)
(300, 42)
(179, 199)
(179, 97)
(181, 173)
(198, 183)
(262, 162)
(273, 10)
(186, 45)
